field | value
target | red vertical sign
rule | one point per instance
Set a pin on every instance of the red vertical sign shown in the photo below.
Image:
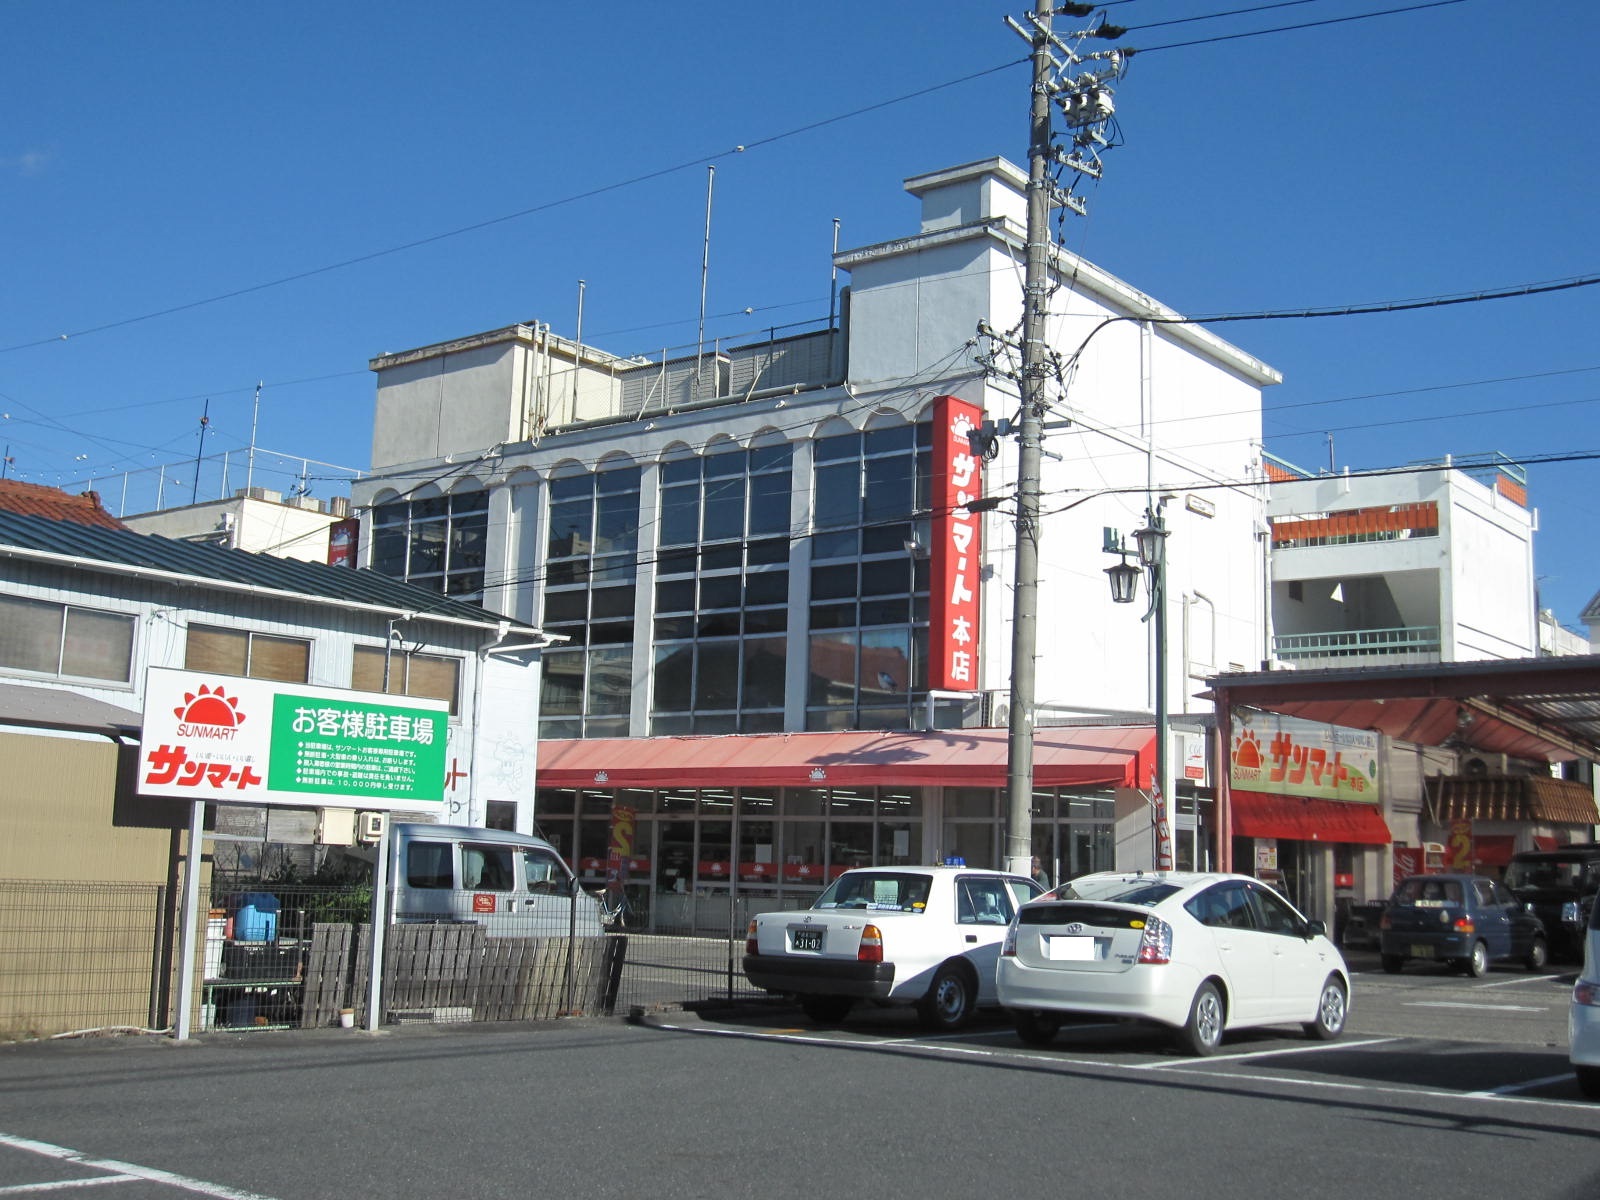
(957, 557)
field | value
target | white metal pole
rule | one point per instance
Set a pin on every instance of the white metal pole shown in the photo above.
(184, 1010)
(380, 889)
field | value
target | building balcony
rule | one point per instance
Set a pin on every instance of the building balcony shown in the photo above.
(1350, 647)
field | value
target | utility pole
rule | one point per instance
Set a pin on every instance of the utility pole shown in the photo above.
(1086, 105)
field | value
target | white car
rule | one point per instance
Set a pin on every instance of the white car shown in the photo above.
(927, 936)
(1583, 1018)
(1199, 953)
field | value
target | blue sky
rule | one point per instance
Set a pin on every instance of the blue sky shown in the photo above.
(156, 157)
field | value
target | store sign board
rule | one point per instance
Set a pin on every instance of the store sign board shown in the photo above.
(956, 558)
(1286, 756)
(229, 740)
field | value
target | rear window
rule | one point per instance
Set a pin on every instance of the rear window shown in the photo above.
(1429, 893)
(881, 891)
(1046, 912)
(1119, 890)
(1577, 874)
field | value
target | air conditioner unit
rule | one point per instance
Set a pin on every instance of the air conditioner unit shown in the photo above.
(1481, 763)
(369, 826)
(996, 709)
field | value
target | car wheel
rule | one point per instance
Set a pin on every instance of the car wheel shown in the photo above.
(1589, 1081)
(826, 1010)
(1036, 1029)
(1393, 962)
(1332, 1007)
(1538, 955)
(1478, 963)
(1202, 1032)
(950, 1001)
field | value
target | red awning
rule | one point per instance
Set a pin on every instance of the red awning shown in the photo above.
(1120, 756)
(1304, 819)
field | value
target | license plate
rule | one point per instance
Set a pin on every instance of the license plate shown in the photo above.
(805, 939)
(1422, 952)
(1070, 949)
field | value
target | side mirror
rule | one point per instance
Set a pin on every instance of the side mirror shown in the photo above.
(1316, 929)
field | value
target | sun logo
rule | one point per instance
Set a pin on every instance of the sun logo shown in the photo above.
(212, 708)
(1247, 751)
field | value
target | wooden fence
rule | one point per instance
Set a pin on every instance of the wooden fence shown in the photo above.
(454, 972)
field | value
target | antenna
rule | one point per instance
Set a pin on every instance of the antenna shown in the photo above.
(205, 420)
(577, 353)
(833, 280)
(705, 271)
(250, 463)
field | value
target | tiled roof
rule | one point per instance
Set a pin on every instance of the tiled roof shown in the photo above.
(40, 501)
(217, 565)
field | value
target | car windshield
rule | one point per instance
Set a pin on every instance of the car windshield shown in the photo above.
(1429, 893)
(1120, 889)
(1570, 874)
(878, 890)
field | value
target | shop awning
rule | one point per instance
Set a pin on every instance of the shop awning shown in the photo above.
(1512, 798)
(1119, 756)
(1304, 819)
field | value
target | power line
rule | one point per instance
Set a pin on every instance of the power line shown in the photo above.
(1231, 37)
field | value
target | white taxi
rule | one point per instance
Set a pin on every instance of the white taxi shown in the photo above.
(1200, 953)
(927, 936)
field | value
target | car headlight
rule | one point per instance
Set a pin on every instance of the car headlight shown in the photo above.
(1587, 993)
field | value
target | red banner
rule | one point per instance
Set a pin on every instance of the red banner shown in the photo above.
(957, 552)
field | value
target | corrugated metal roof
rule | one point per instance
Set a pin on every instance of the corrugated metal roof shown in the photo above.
(122, 549)
(38, 500)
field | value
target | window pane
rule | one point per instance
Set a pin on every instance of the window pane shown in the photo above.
(833, 669)
(616, 523)
(833, 583)
(286, 659)
(885, 663)
(766, 587)
(30, 635)
(724, 516)
(571, 528)
(389, 550)
(838, 501)
(467, 537)
(561, 686)
(769, 504)
(680, 516)
(674, 678)
(610, 681)
(224, 651)
(717, 683)
(721, 591)
(99, 645)
(763, 673)
(427, 548)
(432, 677)
(366, 674)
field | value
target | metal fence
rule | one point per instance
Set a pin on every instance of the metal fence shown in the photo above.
(79, 958)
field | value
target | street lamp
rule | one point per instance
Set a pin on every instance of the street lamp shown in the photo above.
(1151, 543)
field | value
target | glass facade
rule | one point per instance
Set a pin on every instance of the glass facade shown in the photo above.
(591, 570)
(868, 618)
(776, 848)
(437, 542)
(722, 593)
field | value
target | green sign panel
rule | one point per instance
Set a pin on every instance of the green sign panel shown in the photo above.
(354, 748)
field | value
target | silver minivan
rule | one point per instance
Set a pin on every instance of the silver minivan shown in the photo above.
(514, 884)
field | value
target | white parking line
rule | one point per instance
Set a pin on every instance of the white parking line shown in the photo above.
(1512, 1089)
(1480, 1007)
(1520, 979)
(124, 1171)
(1186, 1066)
(1247, 1054)
(28, 1189)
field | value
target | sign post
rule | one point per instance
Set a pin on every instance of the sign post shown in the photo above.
(231, 740)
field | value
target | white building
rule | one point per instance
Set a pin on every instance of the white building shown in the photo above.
(1430, 565)
(740, 543)
(259, 520)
